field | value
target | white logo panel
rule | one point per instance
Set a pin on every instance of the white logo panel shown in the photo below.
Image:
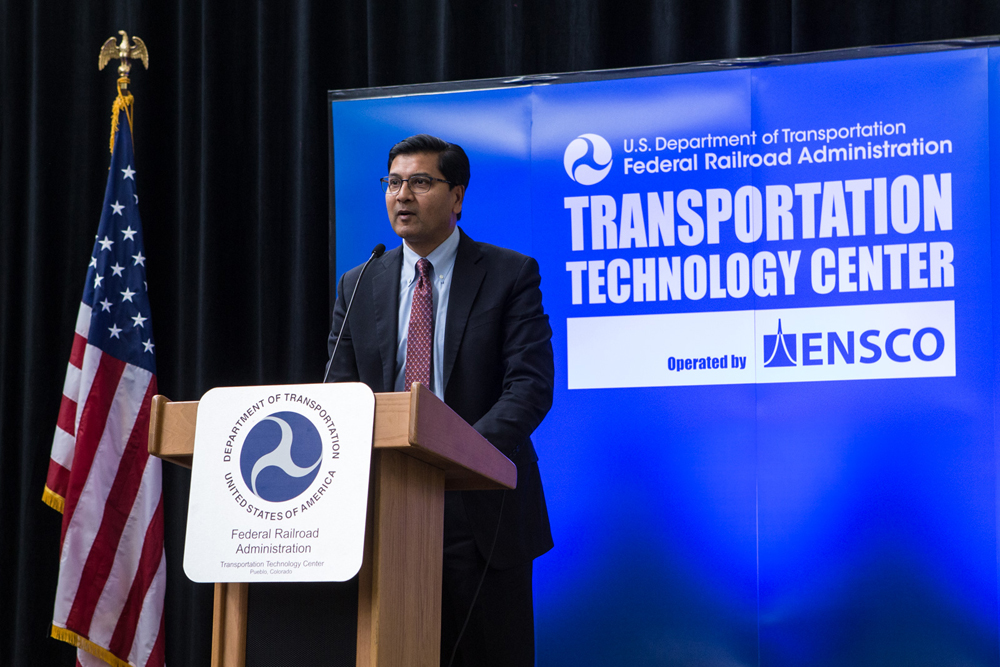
(279, 483)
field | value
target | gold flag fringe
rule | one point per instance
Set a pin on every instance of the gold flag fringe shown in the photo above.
(123, 101)
(53, 500)
(70, 637)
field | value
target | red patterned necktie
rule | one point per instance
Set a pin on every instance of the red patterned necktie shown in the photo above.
(420, 336)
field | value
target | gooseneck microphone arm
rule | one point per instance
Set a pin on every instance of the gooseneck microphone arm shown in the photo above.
(377, 252)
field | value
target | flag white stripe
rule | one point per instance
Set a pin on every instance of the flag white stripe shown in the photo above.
(71, 385)
(91, 360)
(63, 445)
(83, 319)
(148, 627)
(112, 600)
(89, 511)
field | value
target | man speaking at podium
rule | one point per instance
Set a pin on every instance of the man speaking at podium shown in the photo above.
(466, 319)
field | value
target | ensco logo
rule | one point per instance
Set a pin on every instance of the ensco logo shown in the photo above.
(588, 159)
(869, 346)
(779, 349)
(281, 456)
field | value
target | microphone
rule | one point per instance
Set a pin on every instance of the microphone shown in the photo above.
(377, 252)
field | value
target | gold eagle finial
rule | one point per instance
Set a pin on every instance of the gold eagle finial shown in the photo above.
(125, 53)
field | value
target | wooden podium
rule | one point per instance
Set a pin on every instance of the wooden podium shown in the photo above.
(421, 448)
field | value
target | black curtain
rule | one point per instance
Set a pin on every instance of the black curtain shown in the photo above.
(231, 132)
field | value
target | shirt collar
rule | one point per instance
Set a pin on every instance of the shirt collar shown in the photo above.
(441, 258)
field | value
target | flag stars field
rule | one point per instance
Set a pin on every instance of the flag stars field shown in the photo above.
(117, 208)
(129, 233)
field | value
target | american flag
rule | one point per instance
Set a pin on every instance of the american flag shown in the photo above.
(112, 571)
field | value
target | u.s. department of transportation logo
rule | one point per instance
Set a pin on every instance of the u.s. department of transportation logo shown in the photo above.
(281, 456)
(780, 349)
(587, 159)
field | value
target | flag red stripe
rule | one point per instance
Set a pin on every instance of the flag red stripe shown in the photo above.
(57, 478)
(88, 436)
(157, 655)
(67, 415)
(117, 508)
(149, 562)
(76, 354)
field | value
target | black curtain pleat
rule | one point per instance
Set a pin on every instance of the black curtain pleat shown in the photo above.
(231, 140)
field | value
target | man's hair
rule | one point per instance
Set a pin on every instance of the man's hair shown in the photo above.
(453, 163)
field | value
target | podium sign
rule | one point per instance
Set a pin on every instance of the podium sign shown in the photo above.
(279, 483)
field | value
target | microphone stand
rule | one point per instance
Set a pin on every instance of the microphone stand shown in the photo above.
(377, 252)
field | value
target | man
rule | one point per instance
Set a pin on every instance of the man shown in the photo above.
(465, 318)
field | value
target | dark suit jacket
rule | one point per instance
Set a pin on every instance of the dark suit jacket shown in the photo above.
(498, 372)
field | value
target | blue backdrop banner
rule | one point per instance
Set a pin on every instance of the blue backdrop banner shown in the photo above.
(773, 440)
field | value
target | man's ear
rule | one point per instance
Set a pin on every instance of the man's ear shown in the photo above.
(456, 207)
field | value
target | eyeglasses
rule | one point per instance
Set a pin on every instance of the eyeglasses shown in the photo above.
(418, 184)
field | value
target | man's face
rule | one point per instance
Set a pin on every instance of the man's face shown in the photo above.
(423, 220)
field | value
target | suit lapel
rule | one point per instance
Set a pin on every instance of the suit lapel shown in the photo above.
(385, 297)
(466, 279)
